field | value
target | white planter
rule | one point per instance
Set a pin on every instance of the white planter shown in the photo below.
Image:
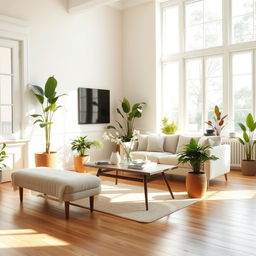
(115, 158)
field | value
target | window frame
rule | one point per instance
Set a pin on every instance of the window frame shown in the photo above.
(226, 50)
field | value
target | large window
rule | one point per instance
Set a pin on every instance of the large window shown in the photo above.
(9, 88)
(208, 59)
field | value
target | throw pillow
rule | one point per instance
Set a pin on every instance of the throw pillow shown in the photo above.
(183, 140)
(170, 143)
(155, 143)
(142, 142)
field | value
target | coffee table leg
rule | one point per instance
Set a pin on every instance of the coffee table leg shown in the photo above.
(145, 190)
(116, 177)
(98, 172)
(167, 184)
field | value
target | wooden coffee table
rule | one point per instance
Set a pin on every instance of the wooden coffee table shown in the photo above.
(143, 175)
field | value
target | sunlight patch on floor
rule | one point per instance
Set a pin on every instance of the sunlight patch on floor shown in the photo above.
(236, 194)
(21, 238)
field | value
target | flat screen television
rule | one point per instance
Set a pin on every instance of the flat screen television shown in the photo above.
(93, 106)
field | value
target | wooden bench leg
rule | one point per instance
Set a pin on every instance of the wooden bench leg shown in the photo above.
(91, 203)
(67, 210)
(226, 177)
(21, 194)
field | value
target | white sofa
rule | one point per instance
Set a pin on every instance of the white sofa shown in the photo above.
(164, 149)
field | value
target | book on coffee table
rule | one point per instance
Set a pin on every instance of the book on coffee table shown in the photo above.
(141, 165)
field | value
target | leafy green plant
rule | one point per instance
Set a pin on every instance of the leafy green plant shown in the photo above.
(247, 140)
(3, 155)
(218, 121)
(167, 127)
(47, 98)
(128, 114)
(82, 144)
(195, 155)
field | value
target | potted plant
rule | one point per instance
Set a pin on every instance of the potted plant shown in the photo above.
(218, 121)
(128, 115)
(2, 158)
(248, 142)
(47, 99)
(82, 145)
(195, 155)
(168, 127)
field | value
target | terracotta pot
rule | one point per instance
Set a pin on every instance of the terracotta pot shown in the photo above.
(46, 160)
(79, 162)
(249, 167)
(196, 184)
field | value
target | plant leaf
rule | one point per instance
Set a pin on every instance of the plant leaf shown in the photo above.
(242, 127)
(119, 112)
(37, 90)
(126, 105)
(111, 127)
(50, 87)
(250, 122)
(246, 137)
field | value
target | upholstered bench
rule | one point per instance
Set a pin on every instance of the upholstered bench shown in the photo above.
(65, 185)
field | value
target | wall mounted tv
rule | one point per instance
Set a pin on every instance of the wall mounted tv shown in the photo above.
(93, 106)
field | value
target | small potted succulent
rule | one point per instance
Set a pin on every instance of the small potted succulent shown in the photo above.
(195, 155)
(81, 145)
(248, 142)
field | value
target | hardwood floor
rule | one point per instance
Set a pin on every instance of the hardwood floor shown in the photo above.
(224, 224)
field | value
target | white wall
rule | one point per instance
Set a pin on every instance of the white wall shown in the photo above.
(139, 61)
(80, 50)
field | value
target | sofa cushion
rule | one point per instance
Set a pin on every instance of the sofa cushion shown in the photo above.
(183, 140)
(155, 143)
(172, 160)
(170, 143)
(142, 142)
(151, 156)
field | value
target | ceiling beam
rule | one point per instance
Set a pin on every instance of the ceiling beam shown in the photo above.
(78, 6)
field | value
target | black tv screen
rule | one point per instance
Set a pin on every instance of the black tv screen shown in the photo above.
(93, 106)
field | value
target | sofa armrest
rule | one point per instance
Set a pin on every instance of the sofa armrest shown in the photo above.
(222, 165)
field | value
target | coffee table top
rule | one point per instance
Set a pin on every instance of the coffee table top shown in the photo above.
(151, 170)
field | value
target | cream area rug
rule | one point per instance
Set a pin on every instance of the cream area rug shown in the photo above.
(128, 201)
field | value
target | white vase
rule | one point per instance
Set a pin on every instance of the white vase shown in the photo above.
(115, 158)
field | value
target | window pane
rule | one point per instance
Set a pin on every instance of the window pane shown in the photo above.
(171, 30)
(243, 16)
(213, 10)
(214, 84)
(5, 60)
(194, 94)
(203, 24)
(242, 28)
(6, 89)
(242, 86)
(241, 7)
(195, 37)
(213, 34)
(6, 120)
(171, 90)
(194, 13)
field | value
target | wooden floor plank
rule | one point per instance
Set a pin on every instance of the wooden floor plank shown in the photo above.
(223, 224)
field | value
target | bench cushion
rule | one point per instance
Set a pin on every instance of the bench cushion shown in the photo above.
(65, 185)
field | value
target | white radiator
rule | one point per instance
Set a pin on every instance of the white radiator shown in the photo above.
(237, 152)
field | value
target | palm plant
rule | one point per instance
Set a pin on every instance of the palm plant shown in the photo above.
(82, 144)
(128, 114)
(195, 155)
(2, 156)
(47, 98)
(248, 136)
